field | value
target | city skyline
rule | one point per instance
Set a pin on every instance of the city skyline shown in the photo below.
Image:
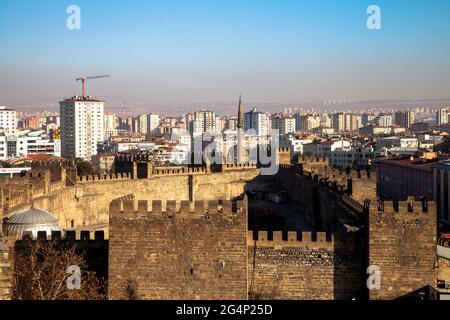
(210, 51)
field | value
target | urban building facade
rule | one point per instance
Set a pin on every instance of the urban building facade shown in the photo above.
(8, 120)
(81, 126)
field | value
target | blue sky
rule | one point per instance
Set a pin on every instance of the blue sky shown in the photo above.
(210, 50)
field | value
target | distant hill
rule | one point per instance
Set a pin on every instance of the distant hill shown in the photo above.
(125, 105)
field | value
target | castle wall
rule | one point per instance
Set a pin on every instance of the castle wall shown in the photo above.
(186, 253)
(316, 199)
(305, 269)
(364, 185)
(88, 202)
(402, 243)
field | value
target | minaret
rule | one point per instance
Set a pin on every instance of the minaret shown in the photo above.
(240, 137)
(240, 114)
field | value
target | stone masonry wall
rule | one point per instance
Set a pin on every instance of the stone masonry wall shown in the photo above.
(185, 253)
(88, 202)
(303, 269)
(402, 242)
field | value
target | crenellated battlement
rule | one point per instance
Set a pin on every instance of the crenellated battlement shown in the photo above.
(285, 166)
(305, 239)
(67, 236)
(53, 163)
(362, 175)
(313, 160)
(402, 242)
(335, 183)
(136, 209)
(232, 166)
(160, 171)
(409, 208)
(294, 239)
(97, 177)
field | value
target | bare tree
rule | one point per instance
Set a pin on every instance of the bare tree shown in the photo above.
(40, 273)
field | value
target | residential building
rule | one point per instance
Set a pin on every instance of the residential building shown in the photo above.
(308, 122)
(283, 123)
(374, 130)
(81, 126)
(204, 121)
(3, 146)
(384, 120)
(257, 121)
(420, 127)
(8, 121)
(402, 177)
(442, 116)
(294, 143)
(324, 148)
(339, 122)
(404, 119)
(354, 157)
(153, 121)
(400, 142)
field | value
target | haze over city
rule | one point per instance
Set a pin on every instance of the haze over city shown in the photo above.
(177, 55)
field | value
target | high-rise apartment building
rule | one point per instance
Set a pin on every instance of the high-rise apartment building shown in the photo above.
(307, 122)
(258, 121)
(367, 118)
(326, 120)
(152, 122)
(230, 122)
(111, 123)
(352, 122)
(339, 121)
(384, 120)
(284, 123)
(404, 119)
(142, 128)
(219, 123)
(442, 116)
(204, 121)
(81, 126)
(8, 121)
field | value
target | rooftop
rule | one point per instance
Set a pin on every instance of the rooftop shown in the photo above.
(426, 164)
(4, 108)
(82, 99)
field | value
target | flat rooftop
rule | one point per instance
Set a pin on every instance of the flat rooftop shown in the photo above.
(82, 99)
(418, 163)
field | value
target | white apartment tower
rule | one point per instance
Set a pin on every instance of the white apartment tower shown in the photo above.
(204, 121)
(143, 121)
(8, 121)
(152, 122)
(284, 123)
(81, 126)
(258, 121)
(442, 116)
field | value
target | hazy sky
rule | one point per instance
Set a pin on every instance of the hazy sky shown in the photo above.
(194, 51)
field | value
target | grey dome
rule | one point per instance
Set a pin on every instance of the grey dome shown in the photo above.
(33, 220)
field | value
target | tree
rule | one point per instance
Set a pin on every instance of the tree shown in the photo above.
(40, 273)
(83, 167)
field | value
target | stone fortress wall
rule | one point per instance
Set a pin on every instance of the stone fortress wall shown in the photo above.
(83, 201)
(196, 251)
(200, 247)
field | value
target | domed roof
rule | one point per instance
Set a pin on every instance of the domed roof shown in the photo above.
(32, 216)
(33, 220)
